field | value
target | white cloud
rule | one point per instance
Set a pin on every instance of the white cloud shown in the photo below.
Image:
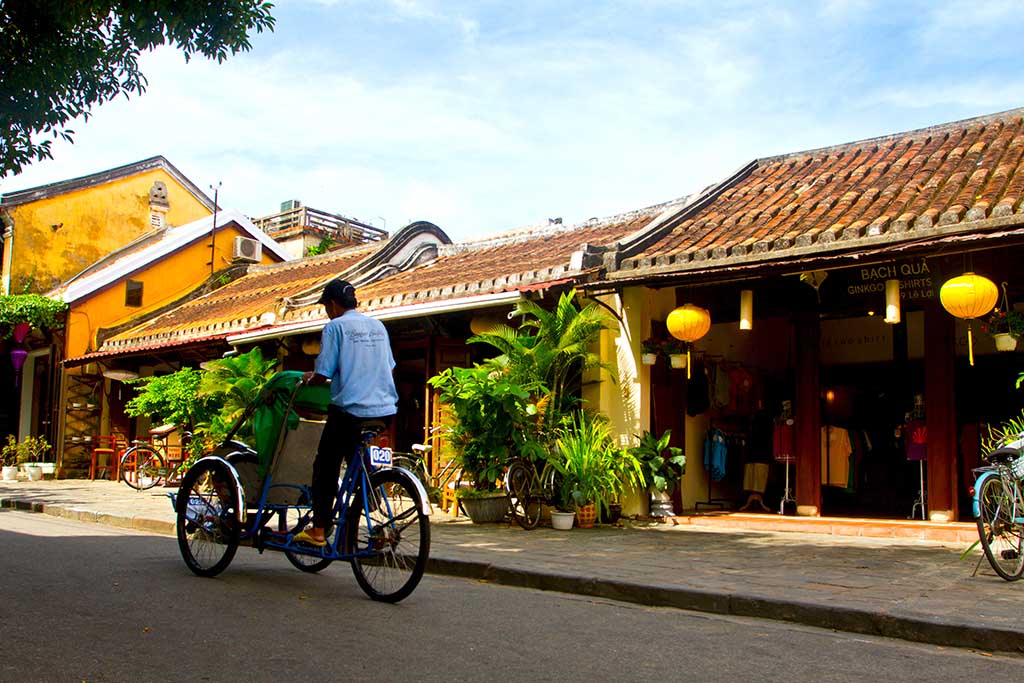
(484, 118)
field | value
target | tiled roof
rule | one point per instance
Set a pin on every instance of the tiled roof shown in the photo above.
(240, 304)
(152, 247)
(945, 179)
(522, 260)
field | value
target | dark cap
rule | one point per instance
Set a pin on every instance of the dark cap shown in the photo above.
(339, 291)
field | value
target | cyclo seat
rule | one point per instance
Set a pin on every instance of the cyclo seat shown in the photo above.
(373, 427)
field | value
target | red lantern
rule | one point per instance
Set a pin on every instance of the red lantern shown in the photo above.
(21, 331)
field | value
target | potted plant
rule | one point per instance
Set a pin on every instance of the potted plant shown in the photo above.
(1005, 326)
(676, 351)
(483, 505)
(594, 471)
(650, 349)
(9, 459)
(31, 452)
(663, 467)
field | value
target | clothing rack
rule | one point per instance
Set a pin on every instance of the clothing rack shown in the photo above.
(787, 493)
(733, 440)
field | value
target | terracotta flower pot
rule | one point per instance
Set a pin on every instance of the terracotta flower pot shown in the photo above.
(586, 515)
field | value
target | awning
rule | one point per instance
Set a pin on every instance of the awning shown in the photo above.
(396, 313)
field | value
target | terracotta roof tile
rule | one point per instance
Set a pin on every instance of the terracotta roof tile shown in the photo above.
(505, 263)
(239, 304)
(946, 176)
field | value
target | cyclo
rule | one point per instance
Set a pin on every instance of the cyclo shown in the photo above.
(261, 496)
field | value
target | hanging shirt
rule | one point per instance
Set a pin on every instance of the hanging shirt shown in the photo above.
(782, 441)
(835, 456)
(715, 452)
(697, 400)
(916, 440)
(741, 391)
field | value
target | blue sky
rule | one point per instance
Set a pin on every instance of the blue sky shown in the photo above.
(489, 116)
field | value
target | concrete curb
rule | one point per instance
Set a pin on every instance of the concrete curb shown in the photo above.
(918, 628)
(905, 627)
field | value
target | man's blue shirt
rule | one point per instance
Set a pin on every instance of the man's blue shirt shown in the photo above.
(355, 354)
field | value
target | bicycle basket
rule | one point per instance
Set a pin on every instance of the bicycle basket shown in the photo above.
(1017, 467)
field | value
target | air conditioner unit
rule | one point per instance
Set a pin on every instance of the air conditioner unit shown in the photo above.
(247, 250)
(290, 205)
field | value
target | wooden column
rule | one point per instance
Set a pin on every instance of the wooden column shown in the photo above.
(807, 413)
(940, 408)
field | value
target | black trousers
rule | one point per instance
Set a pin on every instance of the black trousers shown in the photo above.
(338, 443)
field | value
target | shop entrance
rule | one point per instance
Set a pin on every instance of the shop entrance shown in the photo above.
(872, 416)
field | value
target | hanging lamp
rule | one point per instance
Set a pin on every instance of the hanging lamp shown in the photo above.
(688, 323)
(969, 296)
(746, 309)
(18, 357)
(21, 331)
(892, 301)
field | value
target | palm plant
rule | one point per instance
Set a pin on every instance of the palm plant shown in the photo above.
(234, 383)
(551, 350)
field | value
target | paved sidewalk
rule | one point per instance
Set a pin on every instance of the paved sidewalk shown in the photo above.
(912, 589)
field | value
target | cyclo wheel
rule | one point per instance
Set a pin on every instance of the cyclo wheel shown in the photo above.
(311, 564)
(1002, 538)
(525, 506)
(142, 467)
(398, 536)
(207, 510)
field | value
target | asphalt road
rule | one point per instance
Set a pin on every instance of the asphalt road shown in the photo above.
(83, 602)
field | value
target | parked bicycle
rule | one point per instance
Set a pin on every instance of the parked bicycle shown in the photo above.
(380, 522)
(146, 464)
(998, 504)
(529, 491)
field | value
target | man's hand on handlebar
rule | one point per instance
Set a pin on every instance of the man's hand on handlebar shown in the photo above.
(311, 378)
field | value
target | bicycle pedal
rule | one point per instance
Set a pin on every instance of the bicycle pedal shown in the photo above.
(1009, 554)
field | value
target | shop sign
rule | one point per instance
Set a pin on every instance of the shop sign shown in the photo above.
(855, 340)
(915, 278)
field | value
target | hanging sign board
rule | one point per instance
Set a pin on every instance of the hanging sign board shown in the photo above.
(868, 282)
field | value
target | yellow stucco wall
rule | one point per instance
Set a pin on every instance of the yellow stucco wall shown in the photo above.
(624, 401)
(162, 283)
(91, 223)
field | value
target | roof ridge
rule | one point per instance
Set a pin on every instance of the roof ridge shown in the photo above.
(529, 233)
(880, 139)
(109, 175)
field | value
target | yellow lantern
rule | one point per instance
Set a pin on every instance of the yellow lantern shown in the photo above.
(688, 323)
(969, 296)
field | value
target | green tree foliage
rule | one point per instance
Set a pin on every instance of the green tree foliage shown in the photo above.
(207, 402)
(172, 398)
(492, 419)
(34, 309)
(59, 58)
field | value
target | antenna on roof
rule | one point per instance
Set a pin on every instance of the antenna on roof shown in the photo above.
(213, 228)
